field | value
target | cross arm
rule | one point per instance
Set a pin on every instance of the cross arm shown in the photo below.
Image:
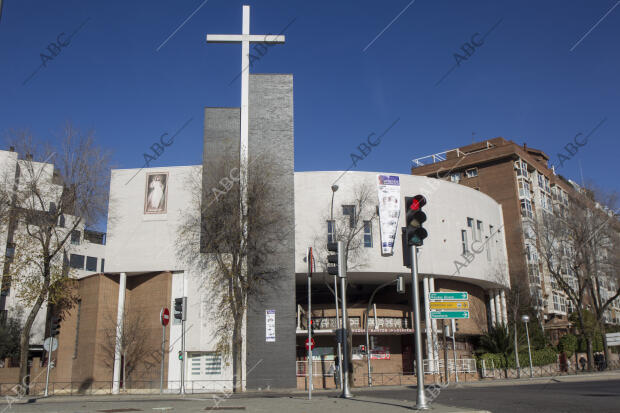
(224, 38)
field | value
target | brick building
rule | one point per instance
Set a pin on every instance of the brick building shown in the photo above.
(522, 181)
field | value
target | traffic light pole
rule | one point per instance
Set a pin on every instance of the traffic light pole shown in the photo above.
(49, 358)
(183, 357)
(421, 403)
(346, 392)
(309, 345)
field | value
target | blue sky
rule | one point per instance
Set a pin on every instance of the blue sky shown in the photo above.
(523, 83)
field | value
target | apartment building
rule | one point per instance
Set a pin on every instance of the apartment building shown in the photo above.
(522, 181)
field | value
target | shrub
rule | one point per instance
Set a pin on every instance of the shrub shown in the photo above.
(543, 357)
(568, 344)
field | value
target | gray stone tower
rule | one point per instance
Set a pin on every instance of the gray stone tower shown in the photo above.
(270, 133)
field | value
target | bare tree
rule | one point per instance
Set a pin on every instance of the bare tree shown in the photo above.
(211, 241)
(604, 253)
(357, 210)
(48, 203)
(133, 338)
(573, 243)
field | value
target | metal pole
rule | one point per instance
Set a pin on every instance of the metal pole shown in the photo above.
(528, 348)
(49, 358)
(421, 396)
(444, 327)
(182, 356)
(338, 325)
(456, 372)
(309, 313)
(334, 188)
(161, 372)
(346, 392)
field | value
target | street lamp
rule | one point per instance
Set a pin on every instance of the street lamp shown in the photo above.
(525, 318)
(331, 222)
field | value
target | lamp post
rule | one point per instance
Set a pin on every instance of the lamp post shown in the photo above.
(400, 288)
(331, 220)
(525, 318)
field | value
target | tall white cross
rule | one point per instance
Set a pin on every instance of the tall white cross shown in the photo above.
(245, 38)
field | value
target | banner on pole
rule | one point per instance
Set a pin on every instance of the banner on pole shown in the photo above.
(388, 188)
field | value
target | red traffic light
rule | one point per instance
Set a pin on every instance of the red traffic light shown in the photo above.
(417, 202)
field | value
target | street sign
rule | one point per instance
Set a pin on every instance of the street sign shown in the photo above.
(164, 316)
(451, 296)
(449, 305)
(311, 343)
(445, 314)
(50, 340)
(613, 339)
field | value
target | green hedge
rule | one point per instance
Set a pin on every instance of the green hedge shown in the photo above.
(542, 357)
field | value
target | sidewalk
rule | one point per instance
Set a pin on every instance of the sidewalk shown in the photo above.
(196, 403)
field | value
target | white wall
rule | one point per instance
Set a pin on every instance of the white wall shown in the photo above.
(139, 242)
(447, 210)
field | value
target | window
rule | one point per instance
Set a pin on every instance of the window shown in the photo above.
(488, 248)
(61, 221)
(205, 364)
(478, 234)
(77, 328)
(102, 264)
(53, 207)
(526, 208)
(524, 188)
(367, 234)
(543, 200)
(534, 273)
(541, 181)
(547, 186)
(91, 263)
(349, 210)
(331, 231)
(76, 261)
(521, 168)
(556, 302)
(464, 241)
(75, 237)
(455, 177)
(10, 250)
(470, 173)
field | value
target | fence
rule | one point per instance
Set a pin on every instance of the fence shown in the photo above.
(462, 366)
(319, 368)
(131, 387)
(489, 371)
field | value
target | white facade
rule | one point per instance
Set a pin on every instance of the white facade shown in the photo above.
(448, 208)
(12, 169)
(139, 242)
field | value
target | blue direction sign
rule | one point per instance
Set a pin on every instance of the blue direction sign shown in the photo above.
(451, 296)
(445, 314)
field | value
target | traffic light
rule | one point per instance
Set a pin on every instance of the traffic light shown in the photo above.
(337, 259)
(456, 326)
(414, 232)
(312, 326)
(180, 308)
(55, 326)
(180, 355)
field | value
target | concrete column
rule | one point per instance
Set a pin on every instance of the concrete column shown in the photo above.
(427, 319)
(498, 307)
(120, 314)
(434, 324)
(504, 308)
(492, 307)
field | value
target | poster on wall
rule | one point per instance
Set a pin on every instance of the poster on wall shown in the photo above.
(380, 353)
(270, 326)
(388, 187)
(156, 193)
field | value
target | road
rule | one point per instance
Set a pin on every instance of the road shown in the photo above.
(583, 396)
(593, 395)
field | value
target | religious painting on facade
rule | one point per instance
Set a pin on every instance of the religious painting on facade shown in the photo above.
(156, 194)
